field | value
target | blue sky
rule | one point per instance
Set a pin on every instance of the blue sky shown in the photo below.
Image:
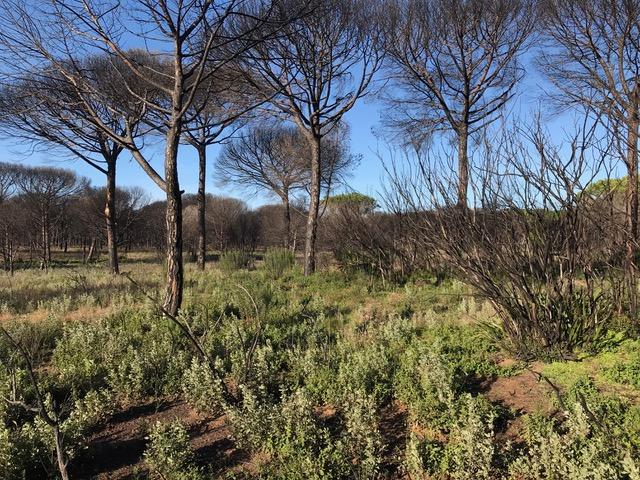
(363, 119)
(366, 177)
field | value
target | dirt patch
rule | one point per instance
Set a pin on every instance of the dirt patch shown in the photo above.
(115, 452)
(522, 393)
(393, 428)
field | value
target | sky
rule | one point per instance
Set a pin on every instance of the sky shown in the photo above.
(363, 119)
(365, 178)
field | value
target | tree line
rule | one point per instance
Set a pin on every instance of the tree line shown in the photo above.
(44, 209)
(205, 72)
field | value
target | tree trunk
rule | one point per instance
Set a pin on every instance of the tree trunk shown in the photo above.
(92, 250)
(10, 247)
(173, 218)
(110, 217)
(632, 210)
(45, 240)
(60, 454)
(463, 165)
(314, 208)
(202, 203)
(287, 221)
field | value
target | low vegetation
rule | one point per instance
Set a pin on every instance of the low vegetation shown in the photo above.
(330, 376)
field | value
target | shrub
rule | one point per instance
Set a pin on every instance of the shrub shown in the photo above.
(626, 369)
(87, 413)
(6, 460)
(576, 452)
(233, 260)
(470, 449)
(200, 389)
(168, 454)
(468, 452)
(425, 382)
(595, 442)
(277, 261)
(363, 439)
(298, 443)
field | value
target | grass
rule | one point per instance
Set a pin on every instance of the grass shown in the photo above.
(334, 376)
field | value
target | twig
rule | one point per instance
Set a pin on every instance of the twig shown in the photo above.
(192, 338)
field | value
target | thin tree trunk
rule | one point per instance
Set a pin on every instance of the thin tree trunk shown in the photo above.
(463, 165)
(314, 208)
(60, 454)
(110, 217)
(92, 248)
(632, 210)
(202, 205)
(173, 218)
(10, 247)
(287, 221)
(45, 241)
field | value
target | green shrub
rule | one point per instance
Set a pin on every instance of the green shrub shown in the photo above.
(470, 449)
(626, 369)
(300, 446)
(6, 457)
(233, 260)
(200, 389)
(426, 384)
(362, 438)
(168, 454)
(468, 452)
(422, 457)
(595, 442)
(278, 261)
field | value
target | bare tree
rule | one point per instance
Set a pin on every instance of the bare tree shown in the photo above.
(219, 106)
(313, 73)
(456, 64)
(46, 191)
(7, 189)
(275, 160)
(179, 39)
(593, 60)
(528, 243)
(46, 112)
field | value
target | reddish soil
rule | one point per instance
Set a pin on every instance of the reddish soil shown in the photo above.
(524, 393)
(115, 451)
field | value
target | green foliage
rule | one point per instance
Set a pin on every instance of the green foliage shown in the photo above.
(300, 446)
(606, 186)
(168, 454)
(278, 261)
(468, 453)
(133, 354)
(316, 364)
(593, 443)
(626, 369)
(234, 260)
(552, 325)
(362, 202)
(200, 388)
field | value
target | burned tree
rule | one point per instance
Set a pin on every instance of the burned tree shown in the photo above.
(275, 160)
(219, 106)
(313, 72)
(456, 64)
(46, 112)
(529, 243)
(45, 192)
(593, 60)
(181, 38)
(8, 174)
